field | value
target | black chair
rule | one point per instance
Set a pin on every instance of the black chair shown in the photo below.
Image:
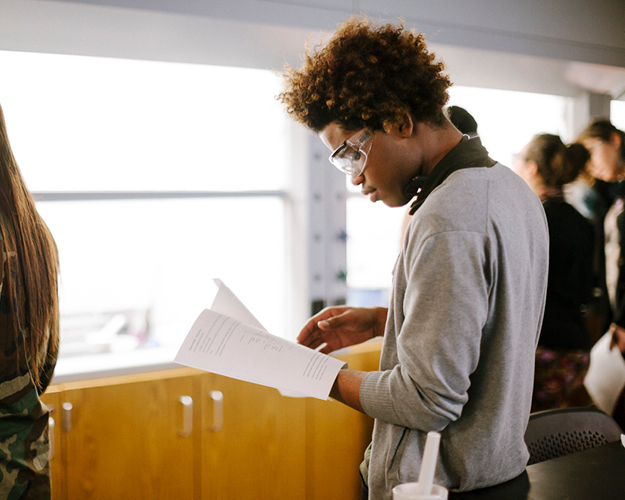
(553, 433)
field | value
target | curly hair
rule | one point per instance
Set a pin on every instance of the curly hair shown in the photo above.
(367, 76)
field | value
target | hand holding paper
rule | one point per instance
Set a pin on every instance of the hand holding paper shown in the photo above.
(221, 344)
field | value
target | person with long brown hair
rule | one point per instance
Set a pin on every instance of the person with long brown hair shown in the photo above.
(29, 333)
(563, 352)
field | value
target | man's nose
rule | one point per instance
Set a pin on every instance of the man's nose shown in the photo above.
(356, 179)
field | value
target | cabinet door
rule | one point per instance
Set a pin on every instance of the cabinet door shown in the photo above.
(52, 400)
(253, 442)
(130, 440)
(338, 437)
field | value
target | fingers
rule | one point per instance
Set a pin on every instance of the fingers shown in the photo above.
(334, 323)
(319, 341)
(322, 347)
(311, 335)
(315, 334)
(308, 333)
(330, 312)
(326, 350)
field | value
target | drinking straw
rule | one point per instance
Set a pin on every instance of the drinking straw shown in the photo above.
(428, 465)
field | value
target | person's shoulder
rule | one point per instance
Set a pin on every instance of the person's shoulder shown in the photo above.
(458, 204)
(481, 185)
(505, 175)
(492, 193)
(509, 187)
(561, 213)
(496, 173)
(561, 206)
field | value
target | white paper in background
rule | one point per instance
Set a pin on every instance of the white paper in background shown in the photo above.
(606, 374)
(220, 344)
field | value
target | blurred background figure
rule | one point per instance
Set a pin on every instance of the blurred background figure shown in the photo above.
(597, 191)
(29, 334)
(603, 200)
(563, 353)
(462, 120)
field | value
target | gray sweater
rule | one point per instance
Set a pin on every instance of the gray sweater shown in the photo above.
(458, 355)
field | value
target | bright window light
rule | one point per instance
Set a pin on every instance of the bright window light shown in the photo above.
(507, 120)
(96, 124)
(136, 272)
(154, 261)
(617, 114)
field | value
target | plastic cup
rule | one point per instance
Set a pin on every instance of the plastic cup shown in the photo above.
(408, 491)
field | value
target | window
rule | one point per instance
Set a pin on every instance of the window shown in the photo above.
(154, 178)
(617, 114)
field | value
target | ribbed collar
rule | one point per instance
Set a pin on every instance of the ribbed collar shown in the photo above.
(469, 153)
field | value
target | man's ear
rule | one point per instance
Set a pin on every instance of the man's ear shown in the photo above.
(406, 127)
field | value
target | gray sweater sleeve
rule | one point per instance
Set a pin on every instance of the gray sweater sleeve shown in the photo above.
(438, 346)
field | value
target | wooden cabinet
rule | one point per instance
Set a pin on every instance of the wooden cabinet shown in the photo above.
(126, 438)
(337, 438)
(253, 443)
(188, 435)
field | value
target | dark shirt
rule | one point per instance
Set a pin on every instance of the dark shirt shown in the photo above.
(598, 201)
(570, 286)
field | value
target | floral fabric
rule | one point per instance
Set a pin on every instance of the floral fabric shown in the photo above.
(558, 375)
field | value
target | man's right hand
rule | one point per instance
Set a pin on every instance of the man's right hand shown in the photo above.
(342, 326)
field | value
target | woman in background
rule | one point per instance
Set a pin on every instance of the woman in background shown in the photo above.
(605, 201)
(29, 334)
(563, 353)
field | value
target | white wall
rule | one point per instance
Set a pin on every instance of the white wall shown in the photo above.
(573, 29)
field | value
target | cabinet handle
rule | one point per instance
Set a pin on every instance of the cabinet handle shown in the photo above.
(187, 416)
(51, 435)
(67, 416)
(218, 410)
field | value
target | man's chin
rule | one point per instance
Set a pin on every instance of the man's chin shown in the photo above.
(394, 203)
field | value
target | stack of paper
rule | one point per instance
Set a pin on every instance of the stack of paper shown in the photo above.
(229, 340)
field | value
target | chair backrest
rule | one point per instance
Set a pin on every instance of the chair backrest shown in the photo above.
(553, 433)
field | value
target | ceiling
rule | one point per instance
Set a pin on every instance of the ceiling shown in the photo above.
(517, 52)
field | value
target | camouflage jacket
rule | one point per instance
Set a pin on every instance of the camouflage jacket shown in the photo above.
(24, 443)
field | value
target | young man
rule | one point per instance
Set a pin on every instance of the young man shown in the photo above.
(469, 284)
